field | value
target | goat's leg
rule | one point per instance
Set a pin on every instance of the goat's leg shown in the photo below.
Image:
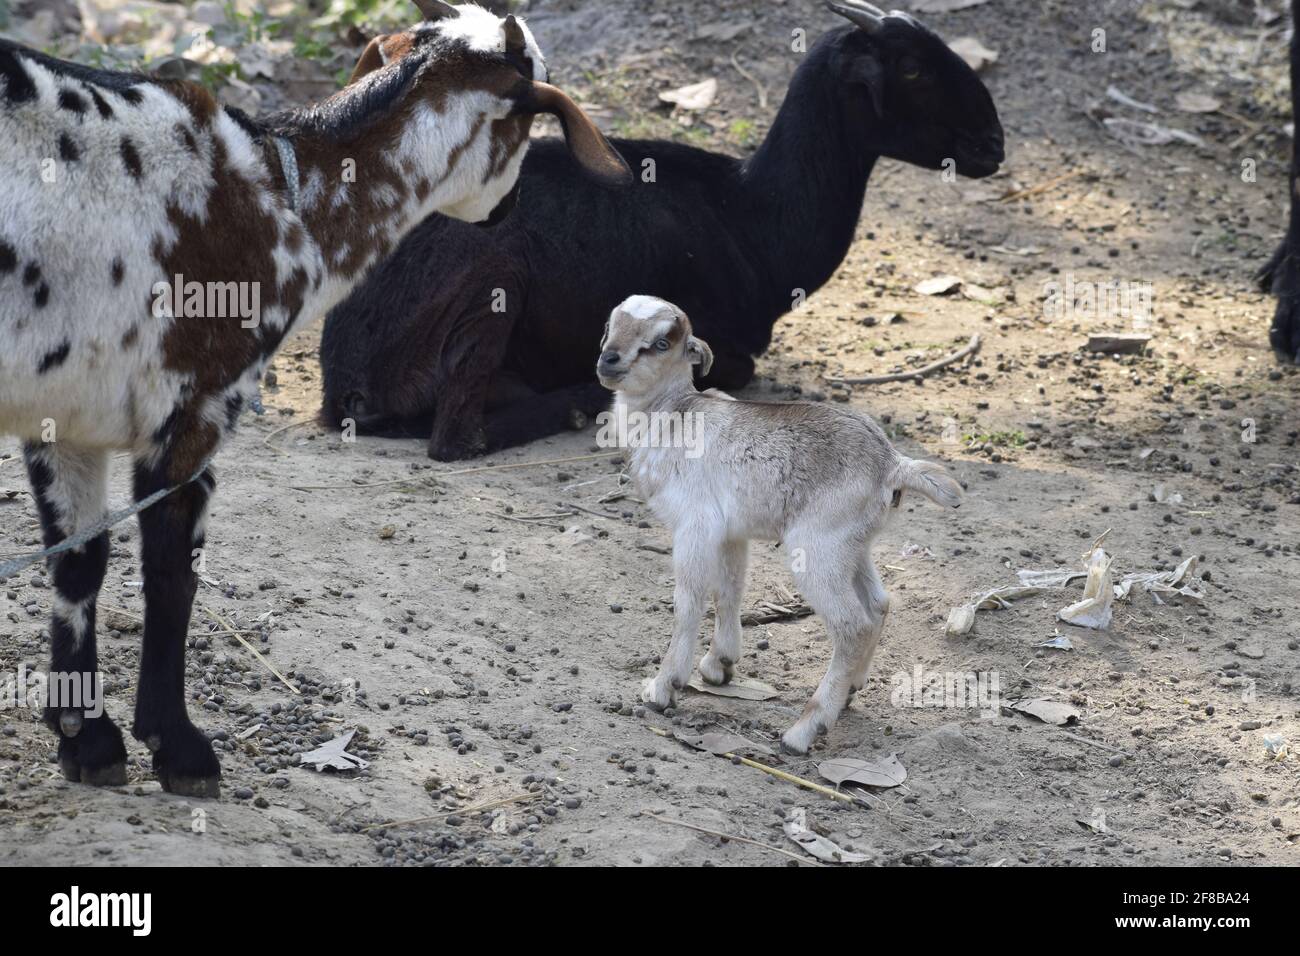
(827, 584)
(875, 600)
(171, 530)
(718, 666)
(545, 414)
(1282, 273)
(71, 491)
(693, 564)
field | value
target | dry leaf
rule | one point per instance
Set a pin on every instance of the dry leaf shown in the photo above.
(796, 828)
(869, 773)
(722, 743)
(1048, 711)
(740, 688)
(975, 53)
(387, 531)
(333, 754)
(696, 96)
(939, 285)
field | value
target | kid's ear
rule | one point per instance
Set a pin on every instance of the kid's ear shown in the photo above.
(700, 354)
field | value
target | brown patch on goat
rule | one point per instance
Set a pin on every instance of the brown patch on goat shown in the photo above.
(505, 138)
(215, 351)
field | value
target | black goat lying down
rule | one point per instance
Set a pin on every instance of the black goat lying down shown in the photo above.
(1281, 275)
(492, 334)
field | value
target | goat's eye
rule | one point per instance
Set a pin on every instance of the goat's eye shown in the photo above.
(910, 68)
(662, 345)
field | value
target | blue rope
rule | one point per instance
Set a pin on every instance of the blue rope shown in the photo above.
(87, 535)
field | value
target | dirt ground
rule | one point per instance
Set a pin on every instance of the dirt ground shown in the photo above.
(487, 630)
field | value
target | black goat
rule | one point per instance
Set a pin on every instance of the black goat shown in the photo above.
(1281, 275)
(494, 333)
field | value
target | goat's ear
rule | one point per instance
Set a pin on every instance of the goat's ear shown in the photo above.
(700, 354)
(865, 70)
(372, 58)
(589, 146)
(436, 9)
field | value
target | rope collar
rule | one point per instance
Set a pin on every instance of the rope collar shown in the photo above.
(288, 166)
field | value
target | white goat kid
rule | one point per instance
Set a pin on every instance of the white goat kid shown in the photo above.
(819, 479)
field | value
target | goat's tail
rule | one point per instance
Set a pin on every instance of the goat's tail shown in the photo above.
(928, 478)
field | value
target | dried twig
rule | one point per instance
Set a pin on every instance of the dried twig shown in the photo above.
(971, 348)
(788, 777)
(238, 635)
(477, 808)
(729, 836)
(283, 428)
(762, 90)
(1042, 187)
(775, 612)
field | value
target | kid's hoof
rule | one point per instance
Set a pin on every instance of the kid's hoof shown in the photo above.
(716, 670)
(656, 696)
(577, 419)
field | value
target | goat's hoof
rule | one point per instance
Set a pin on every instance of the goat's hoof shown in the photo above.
(655, 695)
(202, 788)
(1285, 334)
(184, 760)
(95, 754)
(71, 722)
(794, 747)
(471, 443)
(716, 670)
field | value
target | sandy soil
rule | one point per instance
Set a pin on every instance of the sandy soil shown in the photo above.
(488, 637)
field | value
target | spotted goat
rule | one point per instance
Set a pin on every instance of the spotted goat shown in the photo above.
(156, 249)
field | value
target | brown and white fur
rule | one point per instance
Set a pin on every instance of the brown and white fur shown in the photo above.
(117, 182)
(820, 480)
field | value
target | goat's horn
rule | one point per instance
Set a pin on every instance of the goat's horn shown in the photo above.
(865, 15)
(436, 9)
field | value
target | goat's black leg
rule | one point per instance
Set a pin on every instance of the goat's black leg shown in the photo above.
(71, 491)
(1282, 273)
(170, 531)
(545, 414)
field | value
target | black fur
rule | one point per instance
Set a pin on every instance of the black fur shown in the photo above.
(728, 241)
(8, 259)
(53, 360)
(68, 151)
(131, 159)
(19, 87)
(73, 102)
(1281, 274)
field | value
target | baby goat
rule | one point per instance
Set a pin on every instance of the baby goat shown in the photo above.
(820, 480)
(131, 206)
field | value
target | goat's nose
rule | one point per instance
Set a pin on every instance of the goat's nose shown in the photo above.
(609, 357)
